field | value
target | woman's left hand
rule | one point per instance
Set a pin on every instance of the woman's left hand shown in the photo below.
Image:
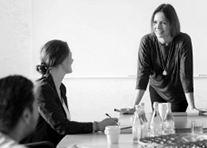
(200, 110)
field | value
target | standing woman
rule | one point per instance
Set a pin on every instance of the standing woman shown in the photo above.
(165, 60)
(55, 120)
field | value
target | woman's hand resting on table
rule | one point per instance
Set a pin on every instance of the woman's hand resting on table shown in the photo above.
(100, 126)
(108, 121)
(200, 110)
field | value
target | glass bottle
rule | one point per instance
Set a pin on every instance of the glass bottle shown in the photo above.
(169, 123)
(143, 113)
(136, 125)
(144, 121)
(156, 122)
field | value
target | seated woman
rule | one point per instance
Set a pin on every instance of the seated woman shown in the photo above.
(55, 120)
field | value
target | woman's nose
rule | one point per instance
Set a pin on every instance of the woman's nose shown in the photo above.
(159, 25)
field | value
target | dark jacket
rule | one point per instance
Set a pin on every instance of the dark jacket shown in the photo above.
(53, 124)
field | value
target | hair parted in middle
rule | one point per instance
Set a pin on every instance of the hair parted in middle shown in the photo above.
(171, 17)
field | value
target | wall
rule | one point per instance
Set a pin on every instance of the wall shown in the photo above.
(89, 98)
(16, 37)
(104, 35)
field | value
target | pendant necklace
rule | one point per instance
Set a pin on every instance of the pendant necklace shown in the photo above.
(163, 62)
(164, 73)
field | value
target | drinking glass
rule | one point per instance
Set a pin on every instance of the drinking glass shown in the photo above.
(196, 127)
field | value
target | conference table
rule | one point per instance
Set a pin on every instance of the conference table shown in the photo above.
(99, 140)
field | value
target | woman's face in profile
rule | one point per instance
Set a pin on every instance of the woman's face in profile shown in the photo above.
(161, 26)
(67, 63)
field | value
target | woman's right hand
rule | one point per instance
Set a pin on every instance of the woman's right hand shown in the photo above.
(107, 121)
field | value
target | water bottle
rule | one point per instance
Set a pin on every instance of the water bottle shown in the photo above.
(156, 122)
(144, 121)
(143, 113)
(136, 125)
(168, 123)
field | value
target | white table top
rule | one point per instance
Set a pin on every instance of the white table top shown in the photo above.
(98, 140)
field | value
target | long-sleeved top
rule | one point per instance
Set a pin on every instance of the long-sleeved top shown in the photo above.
(176, 59)
(53, 123)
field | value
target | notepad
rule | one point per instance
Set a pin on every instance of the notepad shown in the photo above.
(126, 129)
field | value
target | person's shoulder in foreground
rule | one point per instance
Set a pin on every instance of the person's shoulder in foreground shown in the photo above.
(7, 142)
(18, 110)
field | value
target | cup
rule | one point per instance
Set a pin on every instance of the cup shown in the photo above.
(112, 133)
(162, 108)
(196, 127)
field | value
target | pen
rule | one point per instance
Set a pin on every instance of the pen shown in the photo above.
(117, 110)
(108, 115)
(112, 118)
(123, 128)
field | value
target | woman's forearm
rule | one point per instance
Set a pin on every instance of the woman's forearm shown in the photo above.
(190, 100)
(140, 94)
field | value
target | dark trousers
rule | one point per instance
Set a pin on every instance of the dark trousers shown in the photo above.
(175, 106)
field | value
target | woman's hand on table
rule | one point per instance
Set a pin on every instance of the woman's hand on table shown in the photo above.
(107, 121)
(199, 110)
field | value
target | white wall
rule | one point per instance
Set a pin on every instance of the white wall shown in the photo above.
(16, 37)
(104, 35)
(89, 98)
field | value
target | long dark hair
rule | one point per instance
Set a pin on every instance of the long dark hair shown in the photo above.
(171, 16)
(53, 53)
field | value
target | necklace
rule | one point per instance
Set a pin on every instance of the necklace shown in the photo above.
(163, 62)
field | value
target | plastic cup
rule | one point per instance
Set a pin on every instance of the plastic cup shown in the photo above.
(112, 133)
(196, 127)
